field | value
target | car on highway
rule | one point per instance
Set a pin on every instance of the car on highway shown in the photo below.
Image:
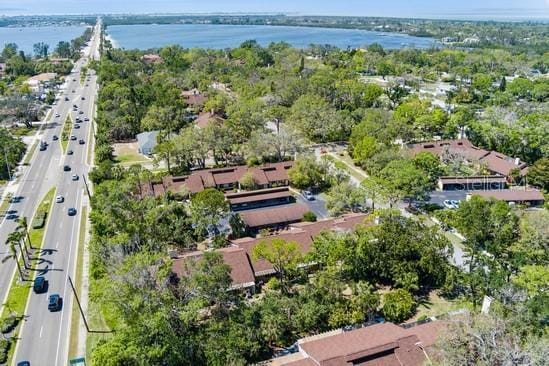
(59, 199)
(57, 115)
(66, 168)
(71, 211)
(16, 199)
(75, 177)
(86, 119)
(70, 152)
(73, 138)
(83, 98)
(81, 112)
(81, 142)
(12, 216)
(73, 91)
(66, 99)
(309, 196)
(55, 138)
(23, 363)
(55, 302)
(39, 285)
(77, 126)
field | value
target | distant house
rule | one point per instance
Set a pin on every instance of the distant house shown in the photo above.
(146, 142)
(266, 176)
(152, 59)
(496, 163)
(525, 196)
(194, 98)
(384, 344)
(472, 183)
(37, 83)
(2, 70)
(206, 118)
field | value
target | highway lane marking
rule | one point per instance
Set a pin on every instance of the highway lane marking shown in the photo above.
(56, 245)
(41, 329)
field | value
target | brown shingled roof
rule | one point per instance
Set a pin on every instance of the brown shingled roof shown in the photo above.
(257, 195)
(205, 118)
(285, 214)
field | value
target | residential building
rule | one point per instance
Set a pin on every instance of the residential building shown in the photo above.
(152, 59)
(266, 176)
(383, 344)
(472, 183)
(496, 163)
(247, 200)
(278, 217)
(146, 142)
(37, 83)
(205, 118)
(239, 255)
(524, 196)
(194, 98)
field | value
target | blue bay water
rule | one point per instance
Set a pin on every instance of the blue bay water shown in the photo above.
(26, 37)
(145, 36)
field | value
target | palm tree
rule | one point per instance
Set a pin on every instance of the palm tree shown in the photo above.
(13, 255)
(23, 225)
(14, 238)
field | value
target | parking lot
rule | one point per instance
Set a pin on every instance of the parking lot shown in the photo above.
(439, 197)
(317, 206)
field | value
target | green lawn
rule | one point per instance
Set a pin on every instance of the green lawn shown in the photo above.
(435, 305)
(76, 317)
(19, 291)
(4, 205)
(96, 321)
(346, 163)
(30, 153)
(23, 131)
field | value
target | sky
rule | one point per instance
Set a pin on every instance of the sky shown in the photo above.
(448, 9)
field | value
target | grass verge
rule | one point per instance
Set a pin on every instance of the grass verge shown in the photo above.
(4, 205)
(75, 316)
(19, 291)
(30, 153)
(65, 133)
(343, 164)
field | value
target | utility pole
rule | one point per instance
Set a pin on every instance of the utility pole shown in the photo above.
(86, 184)
(79, 306)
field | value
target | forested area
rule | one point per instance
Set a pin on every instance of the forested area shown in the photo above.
(10, 154)
(275, 101)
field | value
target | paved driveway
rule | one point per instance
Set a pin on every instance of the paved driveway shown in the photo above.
(317, 206)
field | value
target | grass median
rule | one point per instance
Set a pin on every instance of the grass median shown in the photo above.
(66, 133)
(75, 316)
(19, 290)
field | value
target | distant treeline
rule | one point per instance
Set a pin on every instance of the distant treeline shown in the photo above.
(33, 21)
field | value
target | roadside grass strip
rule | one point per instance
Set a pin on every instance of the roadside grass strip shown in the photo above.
(30, 153)
(75, 316)
(4, 205)
(66, 133)
(18, 295)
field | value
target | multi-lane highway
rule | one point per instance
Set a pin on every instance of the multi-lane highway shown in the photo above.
(44, 335)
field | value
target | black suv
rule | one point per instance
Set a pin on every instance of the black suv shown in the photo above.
(55, 302)
(66, 168)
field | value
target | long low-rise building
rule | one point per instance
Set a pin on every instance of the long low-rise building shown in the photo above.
(247, 271)
(493, 161)
(277, 217)
(224, 179)
(247, 200)
(523, 196)
(472, 183)
(383, 344)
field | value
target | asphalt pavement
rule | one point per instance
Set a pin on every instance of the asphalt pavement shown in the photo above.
(45, 335)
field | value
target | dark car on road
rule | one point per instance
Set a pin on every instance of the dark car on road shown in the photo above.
(12, 216)
(71, 211)
(23, 363)
(39, 285)
(70, 152)
(16, 199)
(66, 168)
(66, 99)
(81, 142)
(55, 302)
(76, 126)
(55, 138)
(73, 138)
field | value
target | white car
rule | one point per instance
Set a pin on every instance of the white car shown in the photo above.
(308, 195)
(448, 204)
(75, 177)
(59, 199)
(57, 115)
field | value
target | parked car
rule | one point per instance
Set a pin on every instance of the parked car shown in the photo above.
(66, 168)
(71, 211)
(455, 203)
(55, 302)
(308, 195)
(448, 204)
(39, 285)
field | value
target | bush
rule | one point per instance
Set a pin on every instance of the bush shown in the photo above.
(8, 324)
(309, 216)
(5, 345)
(398, 305)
